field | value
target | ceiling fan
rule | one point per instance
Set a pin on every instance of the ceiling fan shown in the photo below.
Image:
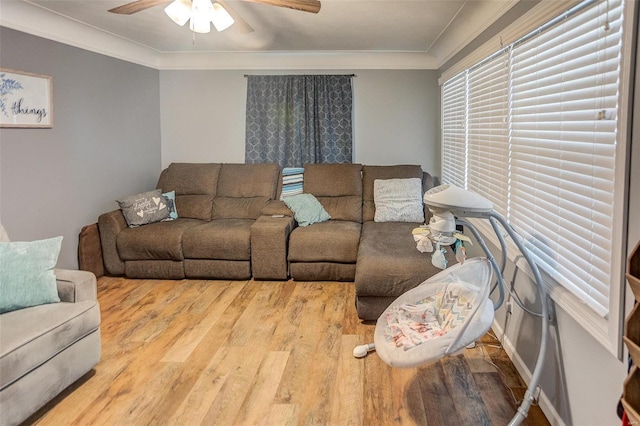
(202, 13)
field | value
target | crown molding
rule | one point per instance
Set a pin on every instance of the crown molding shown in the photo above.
(32, 19)
(299, 60)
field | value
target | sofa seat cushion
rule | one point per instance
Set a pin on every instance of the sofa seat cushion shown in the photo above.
(389, 263)
(156, 241)
(220, 239)
(28, 341)
(331, 241)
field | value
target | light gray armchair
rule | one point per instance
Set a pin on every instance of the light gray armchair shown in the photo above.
(45, 348)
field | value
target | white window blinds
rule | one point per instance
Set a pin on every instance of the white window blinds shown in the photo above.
(454, 139)
(540, 143)
(563, 136)
(488, 135)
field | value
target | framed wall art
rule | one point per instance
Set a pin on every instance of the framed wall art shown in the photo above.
(26, 99)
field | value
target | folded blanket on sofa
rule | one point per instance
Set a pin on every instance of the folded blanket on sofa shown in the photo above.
(292, 181)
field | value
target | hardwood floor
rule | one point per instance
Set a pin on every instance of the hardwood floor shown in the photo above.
(274, 353)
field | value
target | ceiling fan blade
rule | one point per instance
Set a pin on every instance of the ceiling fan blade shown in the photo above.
(240, 25)
(312, 6)
(136, 6)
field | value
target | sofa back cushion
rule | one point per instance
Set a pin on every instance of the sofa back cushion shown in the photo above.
(371, 173)
(244, 190)
(195, 185)
(338, 187)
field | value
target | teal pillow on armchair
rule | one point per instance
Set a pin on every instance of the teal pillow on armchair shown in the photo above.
(26, 273)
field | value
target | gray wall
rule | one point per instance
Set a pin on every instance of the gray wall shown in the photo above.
(396, 117)
(105, 142)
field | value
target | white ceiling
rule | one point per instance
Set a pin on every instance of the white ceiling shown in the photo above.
(427, 32)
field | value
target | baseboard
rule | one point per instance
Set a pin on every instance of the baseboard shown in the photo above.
(545, 404)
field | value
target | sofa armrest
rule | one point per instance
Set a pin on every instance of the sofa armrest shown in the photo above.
(110, 225)
(276, 207)
(269, 241)
(75, 285)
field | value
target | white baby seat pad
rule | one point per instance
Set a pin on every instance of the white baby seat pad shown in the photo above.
(442, 315)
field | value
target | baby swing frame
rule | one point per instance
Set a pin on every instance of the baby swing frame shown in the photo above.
(471, 205)
(494, 217)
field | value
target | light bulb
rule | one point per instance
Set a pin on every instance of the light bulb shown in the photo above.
(221, 18)
(201, 14)
(179, 11)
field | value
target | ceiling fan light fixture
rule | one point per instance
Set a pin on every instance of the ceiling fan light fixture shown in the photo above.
(221, 18)
(179, 11)
(201, 16)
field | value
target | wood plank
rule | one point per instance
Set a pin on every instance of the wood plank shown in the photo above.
(326, 356)
(283, 415)
(496, 397)
(436, 393)
(188, 341)
(256, 405)
(226, 406)
(463, 390)
(348, 392)
(302, 346)
(197, 403)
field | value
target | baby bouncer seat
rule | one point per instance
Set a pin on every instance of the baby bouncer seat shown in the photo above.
(452, 309)
(440, 317)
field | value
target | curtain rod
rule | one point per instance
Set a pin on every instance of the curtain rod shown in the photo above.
(275, 75)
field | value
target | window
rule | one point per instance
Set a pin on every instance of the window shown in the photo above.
(298, 119)
(534, 128)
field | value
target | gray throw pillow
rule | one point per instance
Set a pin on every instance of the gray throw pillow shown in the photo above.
(398, 200)
(144, 208)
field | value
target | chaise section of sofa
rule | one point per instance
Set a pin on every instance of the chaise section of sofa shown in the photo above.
(216, 205)
(389, 263)
(328, 251)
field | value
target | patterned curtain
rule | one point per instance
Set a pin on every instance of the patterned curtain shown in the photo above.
(298, 119)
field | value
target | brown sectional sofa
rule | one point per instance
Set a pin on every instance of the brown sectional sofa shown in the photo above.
(232, 225)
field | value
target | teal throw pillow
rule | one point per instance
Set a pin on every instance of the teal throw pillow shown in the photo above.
(26, 273)
(306, 209)
(170, 198)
